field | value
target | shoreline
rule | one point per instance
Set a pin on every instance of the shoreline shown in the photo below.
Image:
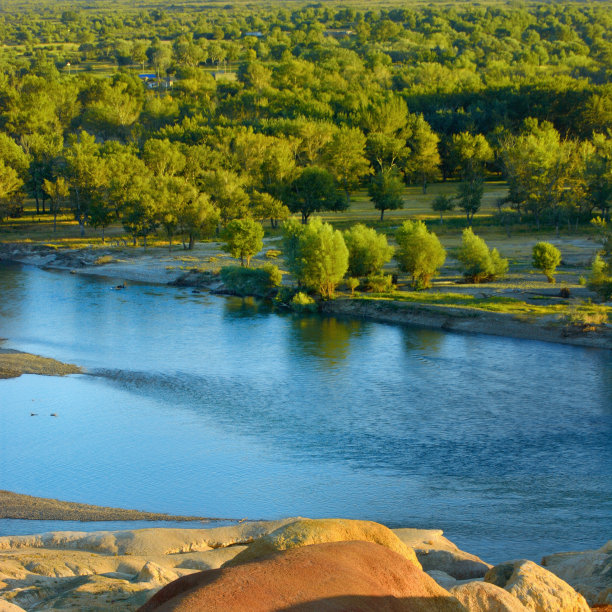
(464, 320)
(17, 506)
(151, 267)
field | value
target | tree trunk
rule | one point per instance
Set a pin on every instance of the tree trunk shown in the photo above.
(424, 184)
(54, 222)
(382, 213)
(191, 242)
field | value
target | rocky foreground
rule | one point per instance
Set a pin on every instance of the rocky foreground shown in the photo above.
(294, 564)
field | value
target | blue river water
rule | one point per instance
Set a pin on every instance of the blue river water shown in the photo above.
(221, 407)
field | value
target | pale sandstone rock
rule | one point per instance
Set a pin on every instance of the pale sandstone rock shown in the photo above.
(536, 588)
(151, 572)
(435, 552)
(157, 541)
(304, 532)
(486, 597)
(443, 579)
(589, 572)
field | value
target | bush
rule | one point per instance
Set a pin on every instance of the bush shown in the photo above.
(303, 302)
(600, 280)
(103, 259)
(546, 257)
(479, 263)
(586, 316)
(352, 284)
(259, 282)
(419, 252)
(368, 250)
(379, 283)
(272, 253)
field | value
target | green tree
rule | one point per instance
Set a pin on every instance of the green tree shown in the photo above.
(419, 252)
(386, 189)
(243, 238)
(140, 213)
(368, 250)
(87, 173)
(226, 190)
(423, 160)
(163, 157)
(43, 151)
(469, 196)
(442, 203)
(58, 192)
(315, 254)
(265, 206)
(598, 174)
(546, 257)
(173, 194)
(479, 263)
(344, 156)
(10, 184)
(470, 153)
(541, 170)
(198, 218)
(314, 190)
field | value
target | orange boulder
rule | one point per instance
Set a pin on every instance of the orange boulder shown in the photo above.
(355, 576)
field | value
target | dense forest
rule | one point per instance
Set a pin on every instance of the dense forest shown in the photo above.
(188, 116)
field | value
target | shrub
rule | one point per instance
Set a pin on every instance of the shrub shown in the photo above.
(259, 282)
(586, 316)
(379, 283)
(303, 302)
(480, 264)
(419, 252)
(546, 257)
(272, 253)
(600, 279)
(104, 259)
(368, 250)
(352, 284)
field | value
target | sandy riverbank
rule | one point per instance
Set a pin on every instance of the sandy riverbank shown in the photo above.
(158, 266)
(18, 506)
(15, 363)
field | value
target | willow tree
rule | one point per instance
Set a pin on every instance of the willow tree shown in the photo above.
(316, 255)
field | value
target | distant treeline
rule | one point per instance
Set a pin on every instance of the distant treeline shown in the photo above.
(180, 115)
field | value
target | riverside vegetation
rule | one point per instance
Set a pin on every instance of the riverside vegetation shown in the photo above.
(142, 124)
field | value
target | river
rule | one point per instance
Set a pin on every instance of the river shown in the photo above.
(212, 406)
